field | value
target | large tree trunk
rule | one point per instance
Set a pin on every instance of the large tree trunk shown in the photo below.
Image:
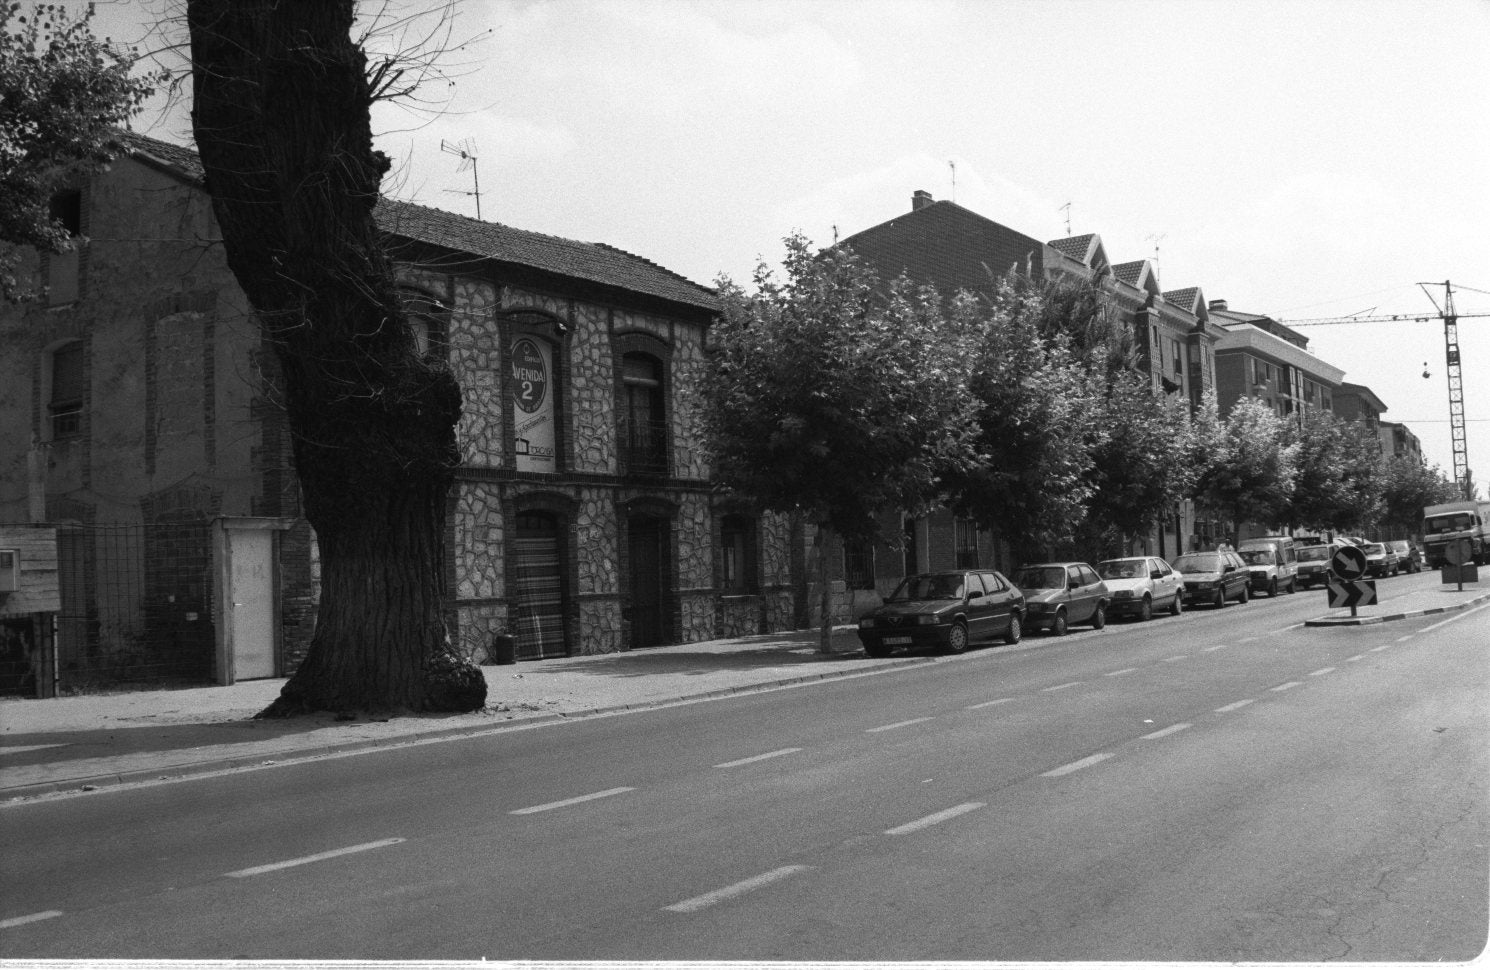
(281, 117)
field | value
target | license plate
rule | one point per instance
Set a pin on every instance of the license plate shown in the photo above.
(896, 641)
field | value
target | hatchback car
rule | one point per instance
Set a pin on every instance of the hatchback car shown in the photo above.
(1381, 560)
(1141, 585)
(1058, 594)
(1314, 565)
(950, 610)
(1214, 577)
(1409, 559)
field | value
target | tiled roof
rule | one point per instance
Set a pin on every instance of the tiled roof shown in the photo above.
(1130, 273)
(947, 246)
(1074, 246)
(1184, 299)
(590, 262)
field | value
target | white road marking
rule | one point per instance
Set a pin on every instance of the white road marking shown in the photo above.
(1455, 618)
(1061, 686)
(1001, 700)
(1172, 729)
(306, 860)
(738, 889)
(1287, 628)
(6, 924)
(19, 748)
(1119, 673)
(1235, 707)
(1406, 638)
(1219, 646)
(1183, 656)
(930, 820)
(1380, 648)
(1288, 686)
(1075, 766)
(897, 724)
(1246, 639)
(1322, 671)
(570, 801)
(758, 757)
(1359, 656)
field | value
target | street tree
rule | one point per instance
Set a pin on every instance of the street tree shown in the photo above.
(63, 95)
(1407, 487)
(282, 96)
(835, 397)
(1336, 482)
(1036, 427)
(1245, 464)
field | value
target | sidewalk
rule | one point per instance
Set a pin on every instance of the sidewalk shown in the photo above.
(85, 743)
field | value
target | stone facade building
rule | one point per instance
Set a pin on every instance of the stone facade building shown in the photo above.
(140, 419)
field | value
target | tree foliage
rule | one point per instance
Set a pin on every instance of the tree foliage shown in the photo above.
(1246, 464)
(833, 396)
(63, 94)
(1336, 481)
(1407, 487)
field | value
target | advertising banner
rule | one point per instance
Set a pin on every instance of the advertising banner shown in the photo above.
(533, 405)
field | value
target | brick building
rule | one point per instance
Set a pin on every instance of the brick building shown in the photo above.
(139, 419)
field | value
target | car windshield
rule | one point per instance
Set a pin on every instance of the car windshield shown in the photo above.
(1449, 523)
(1042, 577)
(1199, 563)
(1375, 549)
(1314, 553)
(1397, 547)
(1258, 557)
(947, 586)
(1122, 569)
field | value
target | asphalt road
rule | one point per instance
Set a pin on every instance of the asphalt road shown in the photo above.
(1226, 785)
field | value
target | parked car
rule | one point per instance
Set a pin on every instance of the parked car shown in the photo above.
(1272, 562)
(1352, 541)
(1214, 577)
(1140, 585)
(1409, 556)
(1380, 560)
(1314, 564)
(1058, 594)
(950, 609)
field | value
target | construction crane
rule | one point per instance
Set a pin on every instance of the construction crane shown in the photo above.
(1450, 320)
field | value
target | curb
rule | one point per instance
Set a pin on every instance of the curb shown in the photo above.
(1369, 620)
(181, 772)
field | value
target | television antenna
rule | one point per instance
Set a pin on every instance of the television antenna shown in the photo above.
(1067, 209)
(466, 151)
(1157, 238)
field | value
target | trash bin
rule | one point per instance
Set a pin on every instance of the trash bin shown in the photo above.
(504, 649)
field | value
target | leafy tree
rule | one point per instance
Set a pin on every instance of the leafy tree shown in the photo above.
(282, 97)
(835, 397)
(1407, 487)
(63, 94)
(1336, 484)
(1245, 464)
(1035, 427)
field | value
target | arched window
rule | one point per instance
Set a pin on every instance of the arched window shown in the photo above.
(643, 415)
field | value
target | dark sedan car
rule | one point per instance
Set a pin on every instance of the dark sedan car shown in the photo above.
(1214, 577)
(949, 610)
(1408, 556)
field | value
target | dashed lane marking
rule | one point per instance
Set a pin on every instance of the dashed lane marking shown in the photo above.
(570, 801)
(1236, 706)
(935, 819)
(1287, 628)
(1001, 700)
(1076, 765)
(1322, 671)
(1406, 638)
(1359, 656)
(1073, 683)
(897, 724)
(1163, 732)
(1119, 673)
(758, 757)
(1219, 646)
(1170, 660)
(738, 889)
(307, 860)
(22, 748)
(1380, 648)
(6, 924)
(1288, 686)
(1247, 639)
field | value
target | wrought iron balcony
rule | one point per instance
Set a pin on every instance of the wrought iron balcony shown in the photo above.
(643, 448)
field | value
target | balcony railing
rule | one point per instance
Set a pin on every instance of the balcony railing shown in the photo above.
(643, 447)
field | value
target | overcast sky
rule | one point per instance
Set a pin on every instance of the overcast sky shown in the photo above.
(1296, 158)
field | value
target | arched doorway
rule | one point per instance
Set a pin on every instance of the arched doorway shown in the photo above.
(539, 586)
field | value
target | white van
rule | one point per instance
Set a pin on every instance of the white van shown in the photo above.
(1272, 562)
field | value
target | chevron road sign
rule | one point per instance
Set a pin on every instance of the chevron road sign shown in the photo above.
(1348, 562)
(1351, 594)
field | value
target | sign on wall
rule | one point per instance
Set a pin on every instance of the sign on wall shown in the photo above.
(533, 405)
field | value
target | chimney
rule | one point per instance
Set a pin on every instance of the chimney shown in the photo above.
(1218, 304)
(920, 199)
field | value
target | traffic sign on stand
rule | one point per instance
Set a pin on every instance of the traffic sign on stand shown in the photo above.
(1457, 552)
(1351, 594)
(1348, 562)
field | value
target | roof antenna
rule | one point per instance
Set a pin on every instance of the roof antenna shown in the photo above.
(467, 152)
(1156, 238)
(1067, 208)
(953, 166)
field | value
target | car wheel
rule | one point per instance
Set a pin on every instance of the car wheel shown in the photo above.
(1246, 595)
(1293, 586)
(1272, 589)
(1178, 606)
(1015, 631)
(877, 650)
(957, 638)
(1099, 618)
(1058, 624)
(1146, 609)
(1220, 601)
